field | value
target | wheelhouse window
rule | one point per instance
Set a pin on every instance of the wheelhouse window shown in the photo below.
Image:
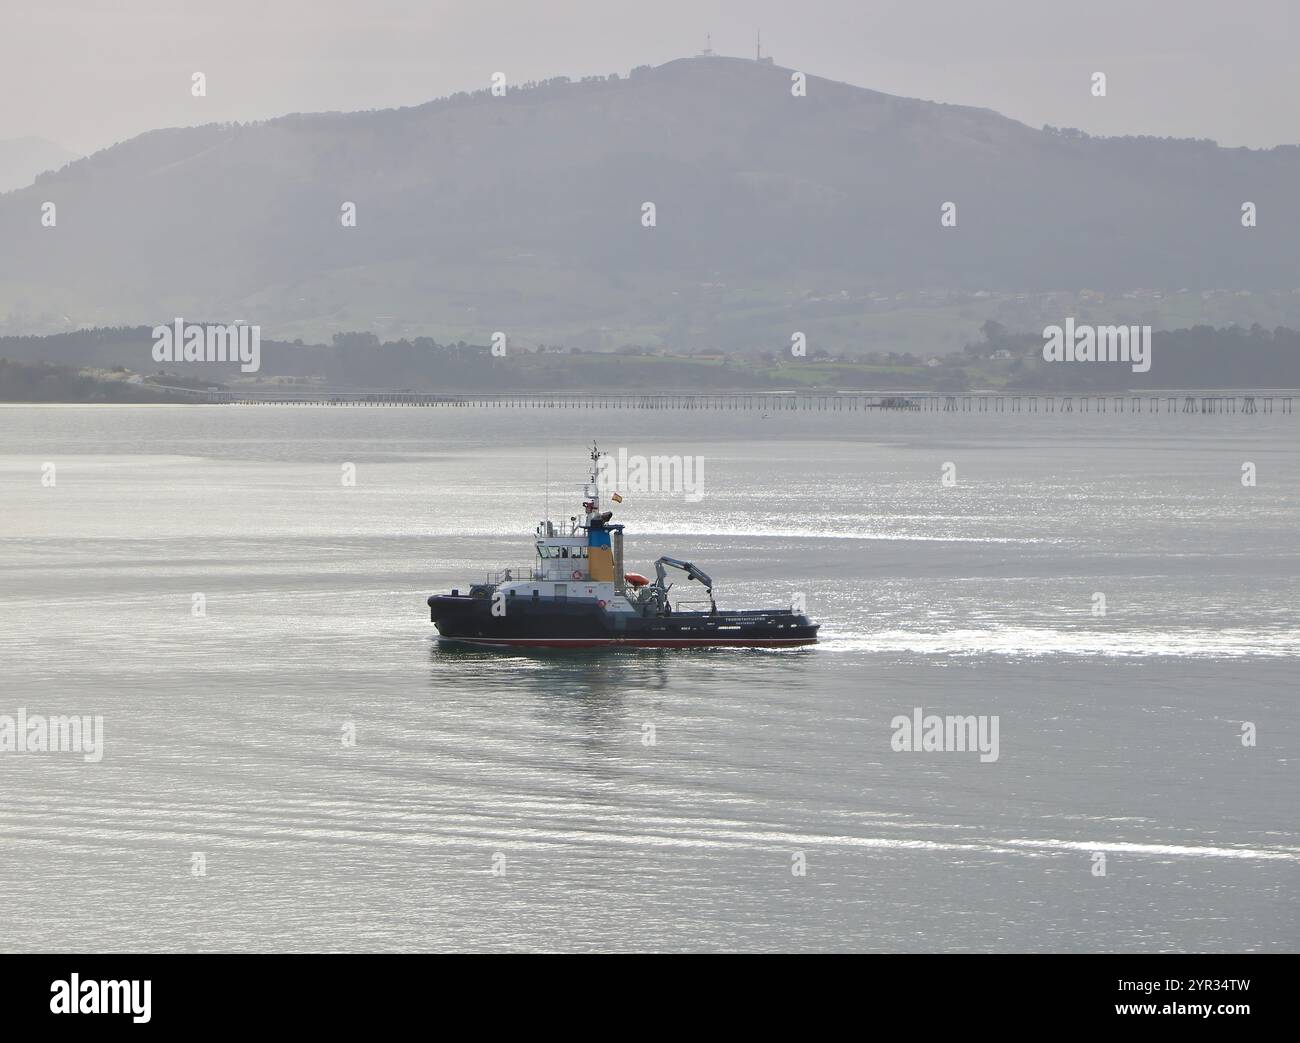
(545, 551)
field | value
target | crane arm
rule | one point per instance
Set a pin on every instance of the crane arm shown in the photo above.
(691, 572)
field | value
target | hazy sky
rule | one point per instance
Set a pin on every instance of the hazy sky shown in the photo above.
(86, 73)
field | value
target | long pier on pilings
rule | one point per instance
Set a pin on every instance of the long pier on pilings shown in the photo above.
(1164, 401)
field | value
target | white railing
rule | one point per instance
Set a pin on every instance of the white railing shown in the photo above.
(515, 574)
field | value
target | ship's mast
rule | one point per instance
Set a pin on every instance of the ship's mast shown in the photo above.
(593, 499)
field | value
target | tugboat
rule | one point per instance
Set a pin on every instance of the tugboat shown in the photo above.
(575, 594)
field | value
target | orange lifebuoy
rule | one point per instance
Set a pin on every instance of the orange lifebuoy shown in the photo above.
(577, 574)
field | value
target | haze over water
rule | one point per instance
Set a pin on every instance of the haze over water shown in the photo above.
(1119, 734)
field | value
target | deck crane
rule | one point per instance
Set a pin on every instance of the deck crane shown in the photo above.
(692, 573)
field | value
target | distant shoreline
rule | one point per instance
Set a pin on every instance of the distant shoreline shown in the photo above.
(117, 365)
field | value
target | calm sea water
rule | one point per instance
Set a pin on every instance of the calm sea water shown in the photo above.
(224, 733)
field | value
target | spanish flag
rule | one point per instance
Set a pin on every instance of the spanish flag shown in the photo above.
(616, 498)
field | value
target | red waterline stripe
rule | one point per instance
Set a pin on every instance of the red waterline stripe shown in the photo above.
(660, 642)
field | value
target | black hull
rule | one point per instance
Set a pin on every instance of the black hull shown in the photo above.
(584, 624)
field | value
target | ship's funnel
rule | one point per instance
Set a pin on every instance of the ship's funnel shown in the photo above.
(616, 543)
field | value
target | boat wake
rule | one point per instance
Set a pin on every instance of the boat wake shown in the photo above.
(530, 825)
(1046, 641)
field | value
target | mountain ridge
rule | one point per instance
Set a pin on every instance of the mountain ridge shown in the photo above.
(24, 159)
(523, 213)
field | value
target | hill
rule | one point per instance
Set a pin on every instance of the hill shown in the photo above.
(523, 213)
